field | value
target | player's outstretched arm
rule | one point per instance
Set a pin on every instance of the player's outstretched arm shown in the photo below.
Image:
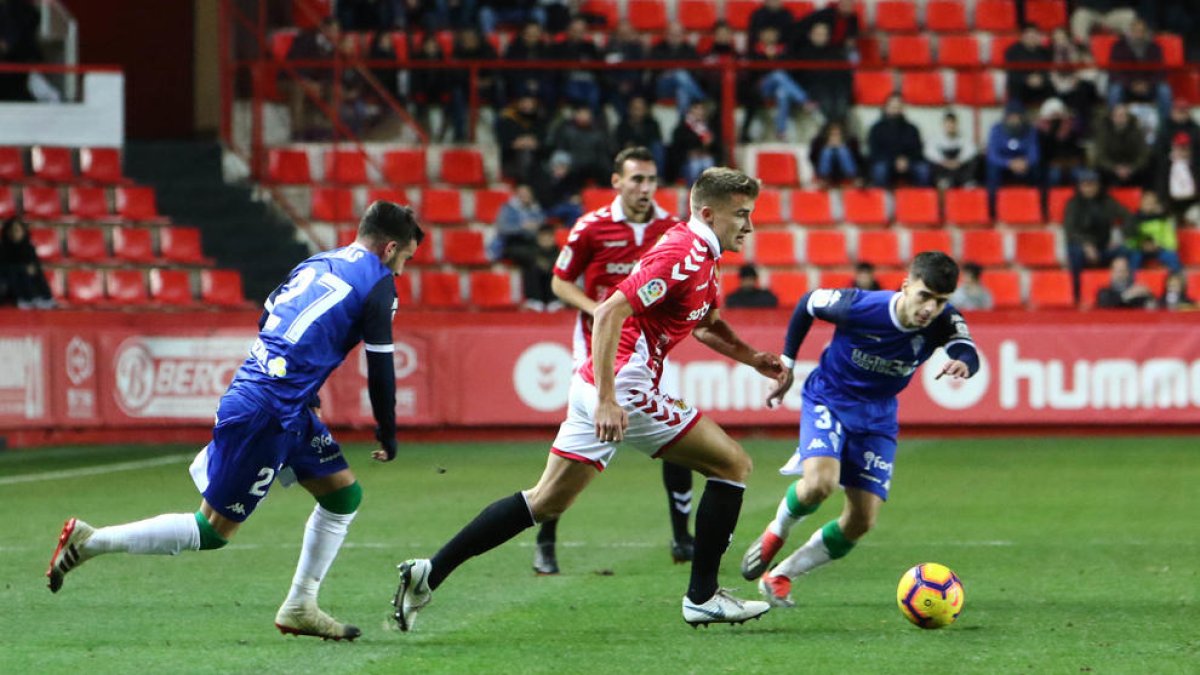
(611, 419)
(571, 294)
(378, 311)
(714, 333)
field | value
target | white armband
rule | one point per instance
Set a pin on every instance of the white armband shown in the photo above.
(788, 362)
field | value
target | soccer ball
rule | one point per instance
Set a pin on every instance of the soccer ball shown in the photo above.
(930, 595)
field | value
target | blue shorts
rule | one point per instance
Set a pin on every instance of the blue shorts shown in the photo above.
(866, 454)
(248, 449)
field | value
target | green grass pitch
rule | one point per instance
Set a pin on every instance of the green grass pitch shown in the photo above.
(1078, 555)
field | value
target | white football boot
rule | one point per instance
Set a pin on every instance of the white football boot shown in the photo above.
(69, 554)
(722, 608)
(414, 593)
(308, 619)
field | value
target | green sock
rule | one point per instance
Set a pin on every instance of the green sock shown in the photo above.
(795, 507)
(835, 540)
(343, 501)
(209, 539)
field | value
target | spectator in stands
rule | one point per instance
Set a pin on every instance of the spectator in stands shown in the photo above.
(1137, 47)
(19, 22)
(835, 157)
(864, 277)
(587, 143)
(772, 14)
(842, 19)
(319, 44)
(695, 144)
(437, 88)
(1074, 87)
(638, 128)
(1059, 144)
(748, 294)
(383, 48)
(1180, 180)
(1113, 15)
(830, 89)
(677, 83)
(970, 293)
(623, 85)
(1088, 223)
(952, 155)
(366, 15)
(1012, 152)
(1122, 291)
(530, 45)
(21, 277)
(537, 272)
(517, 224)
(469, 45)
(1028, 85)
(724, 46)
(1150, 234)
(518, 130)
(560, 189)
(896, 151)
(579, 87)
(1122, 155)
(1175, 296)
(776, 85)
(492, 13)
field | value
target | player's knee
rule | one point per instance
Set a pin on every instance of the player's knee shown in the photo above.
(817, 488)
(858, 525)
(544, 506)
(736, 464)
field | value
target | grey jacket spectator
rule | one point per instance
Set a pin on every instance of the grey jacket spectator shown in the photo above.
(588, 144)
(1121, 151)
(517, 223)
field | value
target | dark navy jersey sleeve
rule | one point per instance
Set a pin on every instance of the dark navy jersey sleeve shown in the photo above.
(823, 303)
(378, 311)
(951, 333)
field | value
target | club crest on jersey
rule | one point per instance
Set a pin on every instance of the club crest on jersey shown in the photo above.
(564, 258)
(277, 367)
(652, 291)
(917, 343)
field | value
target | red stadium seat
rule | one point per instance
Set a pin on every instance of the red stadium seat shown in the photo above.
(917, 207)
(85, 287)
(930, 240)
(669, 200)
(171, 287)
(405, 167)
(1154, 279)
(870, 53)
(1050, 289)
(697, 15)
(825, 248)
(441, 206)
(12, 164)
(87, 244)
(1186, 86)
(464, 247)
(811, 207)
(404, 289)
(394, 195)
(1172, 48)
(975, 88)
(1000, 44)
(440, 289)
(57, 282)
(879, 247)
(768, 208)
(1189, 247)
(87, 203)
(866, 207)
(427, 248)
(996, 16)
(8, 203)
(789, 286)
(1046, 14)
(890, 280)
(1005, 286)
(1057, 203)
(181, 245)
(606, 9)
(333, 205)
(1037, 248)
(777, 168)
(596, 198)
(221, 287)
(101, 165)
(1019, 206)
(41, 202)
(133, 244)
(835, 279)
(958, 50)
(774, 247)
(729, 283)
(1090, 283)
(945, 16)
(137, 204)
(1102, 44)
(288, 167)
(47, 241)
(896, 16)
(909, 50)
(491, 290)
(488, 203)
(308, 13)
(737, 12)
(647, 15)
(345, 167)
(281, 42)
(872, 87)
(346, 236)
(463, 167)
(923, 88)
(125, 287)
(1129, 197)
(52, 164)
(984, 247)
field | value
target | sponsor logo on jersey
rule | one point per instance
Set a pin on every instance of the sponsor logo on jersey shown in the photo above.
(699, 313)
(878, 364)
(277, 367)
(874, 461)
(236, 508)
(617, 243)
(618, 268)
(564, 258)
(652, 291)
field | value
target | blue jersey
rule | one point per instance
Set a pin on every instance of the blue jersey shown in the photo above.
(328, 304)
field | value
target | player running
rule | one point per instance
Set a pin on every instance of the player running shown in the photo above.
(603, 247)
(848, 424)
(268, 419)
(615, 397)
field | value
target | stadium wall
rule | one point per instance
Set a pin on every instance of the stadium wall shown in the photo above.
(115, 376)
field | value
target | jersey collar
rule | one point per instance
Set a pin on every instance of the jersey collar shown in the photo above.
(892, 304)
(702, 230)
(618, 211)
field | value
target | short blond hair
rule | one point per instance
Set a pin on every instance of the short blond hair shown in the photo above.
(715, 186)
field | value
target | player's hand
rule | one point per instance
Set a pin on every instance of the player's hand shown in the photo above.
(954, 369)
(611, 422)
(381, 455)
(768, 365)
(781, 389)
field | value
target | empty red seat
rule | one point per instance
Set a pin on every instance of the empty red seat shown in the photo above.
(669, 200)
(909, 50)
(491, 290)
(87, 203)
(1186, 86)
(1154, 279)
(440, 289)
(47, 242)
(975, 88)
(41, 202)
(825, 248)
(1102, 44)
(87, 244)
(789, 286)
(872, 87)
(1019, 206)
(777, 168)
(930, 240)
(999, 45)
(774, 247)
(463, 167)
(1046, 14)
(1005, 287)
(1172, 48)
(729, 283)
(879, 247)
(52, 164)
(870, 53)
(923, 88)
(441, 206)
(967, 207)
(404, 289)
(945, 16)
(835, 279)
(133, 244)
(346, 167)
(101, 165)
(85, 287)
(1189, 248)
(768, 208)
(1037, 248)
(488, 203)
(917, 207)
(865, 207)
(393, 195)
(125, 287)
(896, 16)
(996, 16)
(1057, 203)
(958, 50)
(1129, 197)
(221, 287)
(647, 15)
(8, 203)
(984, 247)
(737, 12)
(181, 245)
(333, 205)
(464, 247)
(426, 249)
(346, 236)
(288, 167)
(1050, 289)
(56, 279)
(596, 198)
(171, 287)
(137, 204)
(890, 280)
(12, 164)
(697, 15)
(605, 9)
(811, 207)
(405, 167)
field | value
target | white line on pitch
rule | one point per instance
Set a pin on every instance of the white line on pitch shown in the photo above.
(94, 470)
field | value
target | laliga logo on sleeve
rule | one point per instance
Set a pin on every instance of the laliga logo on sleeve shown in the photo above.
(542, 376)
(652, 291)
(950, 392)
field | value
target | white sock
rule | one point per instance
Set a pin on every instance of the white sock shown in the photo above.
(784, 520)
(167, 534)
(808, 557)
(323, 537)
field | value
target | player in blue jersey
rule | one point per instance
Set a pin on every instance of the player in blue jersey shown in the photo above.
(848, 423)
(268, 421)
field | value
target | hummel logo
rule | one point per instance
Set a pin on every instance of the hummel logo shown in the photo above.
(614, 244)
(237, 508)
(817, 444)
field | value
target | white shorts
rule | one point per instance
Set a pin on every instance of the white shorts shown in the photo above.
(656, 422)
